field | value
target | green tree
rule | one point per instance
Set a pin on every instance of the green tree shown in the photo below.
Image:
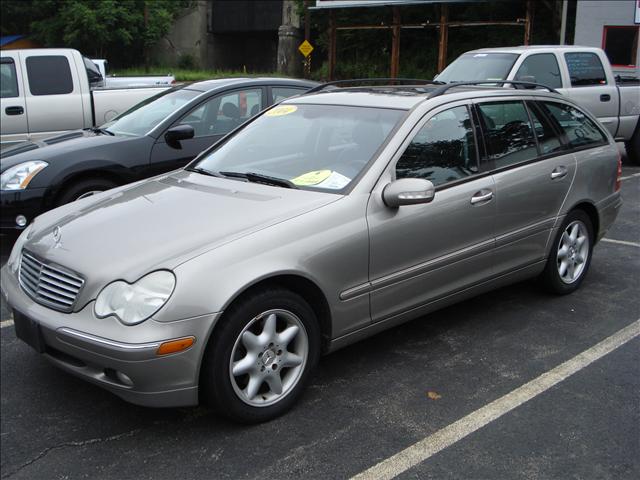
(122, 31)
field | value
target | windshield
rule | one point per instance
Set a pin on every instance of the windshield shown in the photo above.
(319, 147)
(477, 67)
(146, 115)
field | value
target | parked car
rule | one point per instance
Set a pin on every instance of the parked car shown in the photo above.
(323, 220)
(126, 81)
(49, 91)
(159, 134)
(583, 74)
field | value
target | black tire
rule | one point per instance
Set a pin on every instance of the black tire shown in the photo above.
(225, 394)
(551, 278)
(78, 189)
(633, 147)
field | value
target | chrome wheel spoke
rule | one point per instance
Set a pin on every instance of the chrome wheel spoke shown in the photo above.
(246, 365)
(573, 235)
(291, 360)
(562, 269)
(285, 337)
(251, 342)
(580, 241)
(255, 382)
(269, 330)
(563, 252)
(275, 382)
(572, 271)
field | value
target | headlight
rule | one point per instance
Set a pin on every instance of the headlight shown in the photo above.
(134, 303)
(18, 177)
(14, 257)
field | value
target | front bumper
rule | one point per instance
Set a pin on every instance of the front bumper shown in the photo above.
(120, 358)
(28, 202)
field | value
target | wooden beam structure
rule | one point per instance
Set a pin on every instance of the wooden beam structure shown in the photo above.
(396, 27)
(444, 37)
(395, 43)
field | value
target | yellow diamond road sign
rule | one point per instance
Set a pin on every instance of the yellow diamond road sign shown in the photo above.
(305, 48)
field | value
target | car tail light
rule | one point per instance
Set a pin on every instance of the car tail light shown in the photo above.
(619, 174)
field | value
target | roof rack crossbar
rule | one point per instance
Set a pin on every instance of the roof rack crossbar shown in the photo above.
(443, 89)
(374, 80)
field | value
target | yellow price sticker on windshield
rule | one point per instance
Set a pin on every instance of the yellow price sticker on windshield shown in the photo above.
(281, 110)
(311, 178)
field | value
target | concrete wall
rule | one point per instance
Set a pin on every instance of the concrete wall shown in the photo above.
(593, 16)
(187, 37)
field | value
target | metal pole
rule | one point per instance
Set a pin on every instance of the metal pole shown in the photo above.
(444, 36)
(332, 45)
(563, 24)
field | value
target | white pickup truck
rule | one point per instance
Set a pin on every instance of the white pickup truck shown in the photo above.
(582, 73)
(122, 81)
(44, 92)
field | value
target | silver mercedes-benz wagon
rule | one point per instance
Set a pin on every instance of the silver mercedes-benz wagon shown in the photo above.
(324, 220)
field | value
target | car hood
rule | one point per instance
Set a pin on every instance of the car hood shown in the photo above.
(59, 146)
(160, 223)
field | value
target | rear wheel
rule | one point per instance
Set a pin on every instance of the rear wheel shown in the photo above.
(633, 147)
(84, 189)
(258, 361)
(570, 255)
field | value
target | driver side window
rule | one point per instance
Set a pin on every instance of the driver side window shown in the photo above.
(444, 149)
(222, 113)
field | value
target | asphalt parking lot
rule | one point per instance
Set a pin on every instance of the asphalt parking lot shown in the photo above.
(462, 393)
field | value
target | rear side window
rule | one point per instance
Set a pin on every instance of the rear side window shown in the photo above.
(281, 93)
(443, 151)
(585, 69)
(579, 129)
(509, 137)
(548, 140)
(541, 68)
(8, 79)
(49, 75)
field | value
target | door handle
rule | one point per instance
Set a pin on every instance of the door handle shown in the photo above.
(558, 172)
(14, 110)
(481, 196)
(605, 97)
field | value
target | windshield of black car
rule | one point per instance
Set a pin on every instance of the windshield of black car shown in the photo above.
(478, 67)
(320, 147)
(146, 115)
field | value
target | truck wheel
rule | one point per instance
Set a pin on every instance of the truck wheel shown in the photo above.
(258, 361)
(83, 189)
(633, 147)
(570, 254)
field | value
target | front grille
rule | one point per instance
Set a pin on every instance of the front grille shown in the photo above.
(53, 287)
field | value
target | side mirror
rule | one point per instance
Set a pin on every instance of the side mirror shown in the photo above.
(408, 191)
(175, 134)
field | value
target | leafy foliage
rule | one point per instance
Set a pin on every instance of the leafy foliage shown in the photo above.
(116, 29)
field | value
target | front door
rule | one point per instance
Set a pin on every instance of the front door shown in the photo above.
(12, 102)
(420, 253)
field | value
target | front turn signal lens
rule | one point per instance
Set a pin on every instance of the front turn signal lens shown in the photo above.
(174, 346)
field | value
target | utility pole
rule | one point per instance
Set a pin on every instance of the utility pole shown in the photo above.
(146, 30)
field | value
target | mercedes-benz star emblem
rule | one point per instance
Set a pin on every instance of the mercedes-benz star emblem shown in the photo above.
(57, 236)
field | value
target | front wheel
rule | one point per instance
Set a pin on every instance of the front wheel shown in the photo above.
(570, 254)
(84, 189)
(258, 361)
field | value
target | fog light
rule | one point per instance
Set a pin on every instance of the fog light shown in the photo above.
(21, 221)
(174, 346)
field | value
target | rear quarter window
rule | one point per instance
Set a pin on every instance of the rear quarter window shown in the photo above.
(585, 69)
(579, 129)
(49, 75)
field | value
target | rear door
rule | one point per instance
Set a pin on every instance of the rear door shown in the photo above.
(12, 101)
(532, 170)
(420, 253)
(53, 93)
(211, 120)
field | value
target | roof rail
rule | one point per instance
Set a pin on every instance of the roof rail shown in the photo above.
(366, 80)
(443, 89)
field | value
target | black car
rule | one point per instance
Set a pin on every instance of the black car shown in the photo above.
(160, 134)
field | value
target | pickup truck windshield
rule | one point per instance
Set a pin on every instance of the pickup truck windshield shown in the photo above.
(146, 115)
(472, 67)
(319, 147)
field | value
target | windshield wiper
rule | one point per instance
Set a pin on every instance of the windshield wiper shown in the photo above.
(260, 178)
(103, 131)
(203, 171)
